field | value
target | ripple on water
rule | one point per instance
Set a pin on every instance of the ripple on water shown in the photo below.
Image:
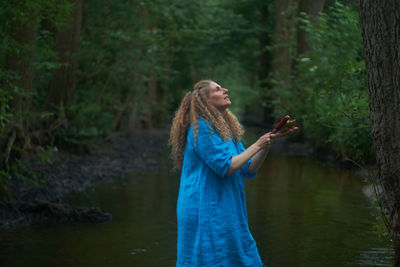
(375, 257)
(138, 251)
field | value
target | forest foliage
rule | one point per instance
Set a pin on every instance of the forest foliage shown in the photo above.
(327, 92)
(93, 69)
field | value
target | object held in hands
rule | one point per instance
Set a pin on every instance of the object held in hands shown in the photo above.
(286, 123)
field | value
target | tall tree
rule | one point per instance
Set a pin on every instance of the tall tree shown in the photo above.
(62, 86)
(312, 8)
(283, 36)
(265, 41)
(19, 60)
(265, 58)
(380, 24)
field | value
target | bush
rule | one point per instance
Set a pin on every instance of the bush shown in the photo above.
(328, 92)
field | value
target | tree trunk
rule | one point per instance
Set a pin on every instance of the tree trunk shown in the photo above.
(283, 36)
(265, 41)
(20, 60)
(151, 99)
(61, 90)
(126, 120)
(24, 35)
(380, 24)
(265, 64)
(312, 8)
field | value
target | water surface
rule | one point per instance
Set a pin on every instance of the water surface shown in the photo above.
(300, 213)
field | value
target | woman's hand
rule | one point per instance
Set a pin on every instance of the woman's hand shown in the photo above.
(263, 144)
(256, 152)
(284, 133)
(265, 141)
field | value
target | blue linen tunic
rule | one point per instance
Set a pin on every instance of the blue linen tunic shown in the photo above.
(211, 210)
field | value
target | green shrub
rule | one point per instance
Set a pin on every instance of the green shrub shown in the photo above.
(328, 92)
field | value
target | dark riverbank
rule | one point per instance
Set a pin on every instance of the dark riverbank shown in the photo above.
(97, 162)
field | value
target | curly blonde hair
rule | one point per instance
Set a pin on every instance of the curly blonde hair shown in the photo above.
(195, 105)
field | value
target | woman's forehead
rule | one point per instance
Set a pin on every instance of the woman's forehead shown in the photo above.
(214, 85)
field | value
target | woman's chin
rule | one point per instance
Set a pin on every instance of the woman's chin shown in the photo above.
(225, 106)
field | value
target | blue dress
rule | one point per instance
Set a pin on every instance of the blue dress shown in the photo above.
(211, 210)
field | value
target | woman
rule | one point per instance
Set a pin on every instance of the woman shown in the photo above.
(211, 210)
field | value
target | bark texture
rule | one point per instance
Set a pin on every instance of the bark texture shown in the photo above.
(380, 24)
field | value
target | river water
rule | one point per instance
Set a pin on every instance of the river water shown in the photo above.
(301, 213)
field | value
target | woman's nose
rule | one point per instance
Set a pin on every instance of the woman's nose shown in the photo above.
(226, 90)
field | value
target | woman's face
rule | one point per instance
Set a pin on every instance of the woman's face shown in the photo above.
(218, 97)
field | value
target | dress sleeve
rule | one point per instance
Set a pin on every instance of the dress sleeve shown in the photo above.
(212, 149)
(245, 169)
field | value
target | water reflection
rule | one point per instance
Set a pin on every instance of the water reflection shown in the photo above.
(303, 214)
(300, 213)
